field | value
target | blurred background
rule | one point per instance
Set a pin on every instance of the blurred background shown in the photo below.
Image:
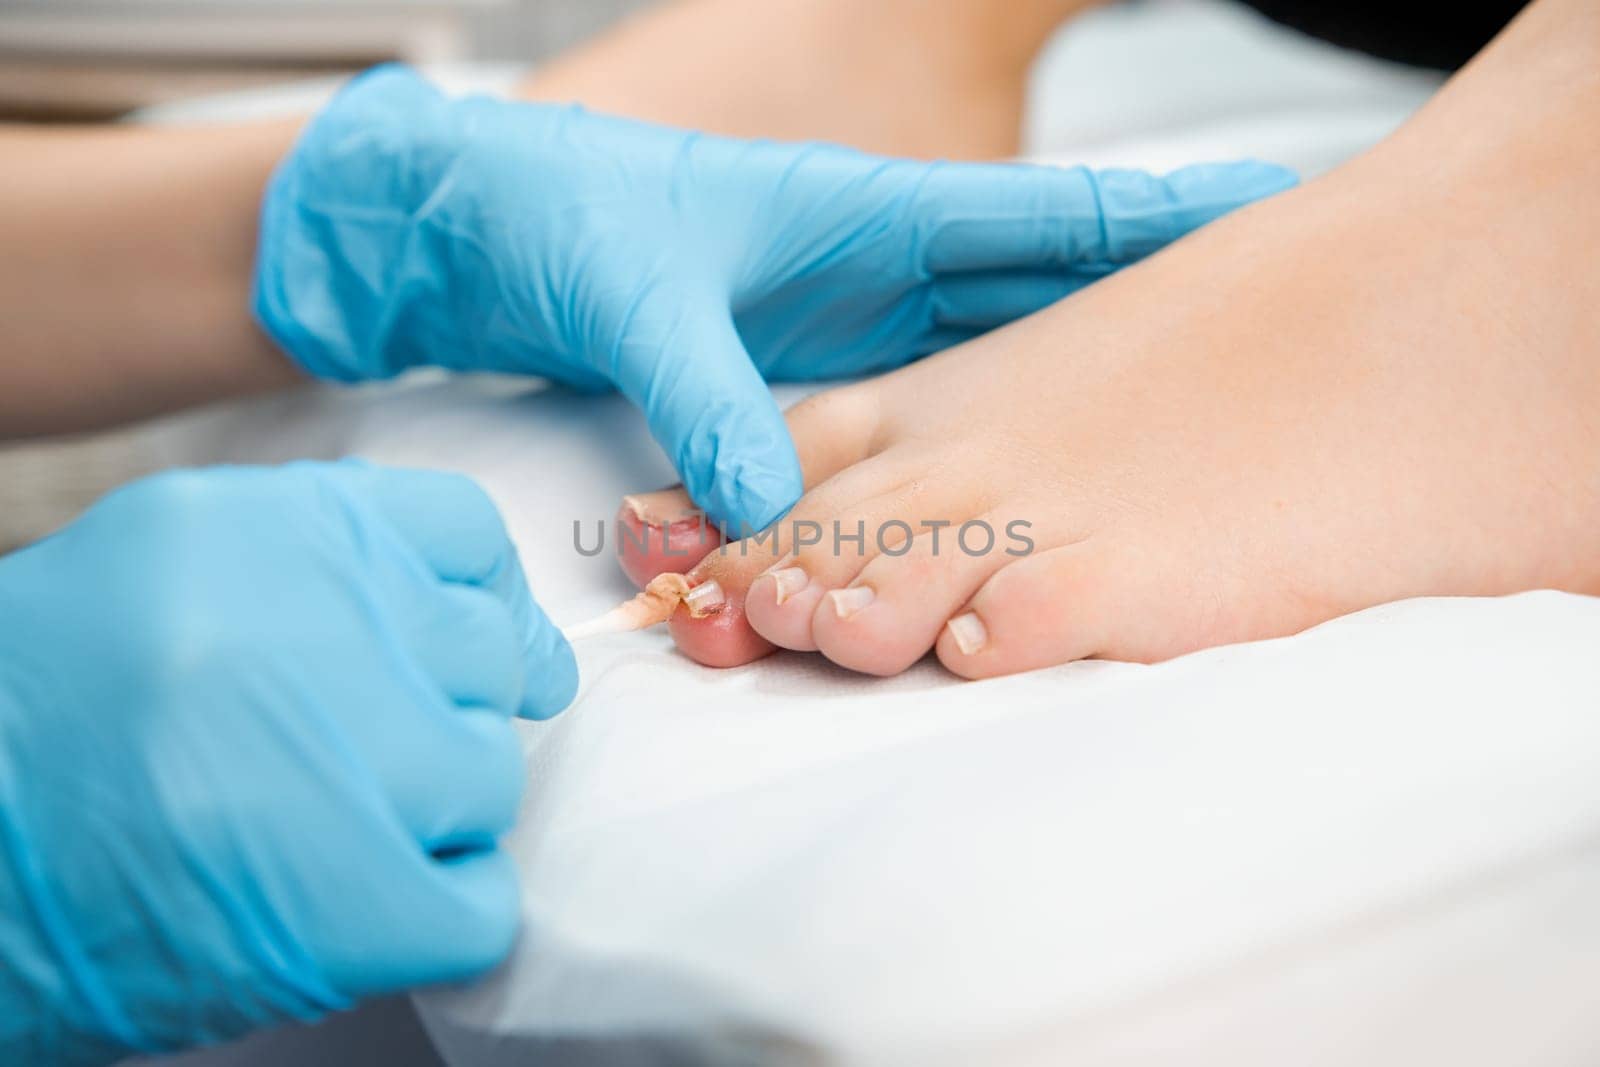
(90, 60)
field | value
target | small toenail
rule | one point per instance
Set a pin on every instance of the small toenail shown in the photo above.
(790, 581)
(704, 598)
(969, 632)
(846, 602)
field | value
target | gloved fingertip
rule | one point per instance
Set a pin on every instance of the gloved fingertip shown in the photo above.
(552, 676)
(752, 498)
(1242, 181)
(1265, 179)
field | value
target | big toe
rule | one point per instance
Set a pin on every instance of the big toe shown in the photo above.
(662, 533)
(832, 431)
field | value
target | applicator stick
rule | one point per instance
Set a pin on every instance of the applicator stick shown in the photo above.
(652, 606)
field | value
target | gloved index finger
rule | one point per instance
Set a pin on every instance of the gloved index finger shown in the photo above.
(1032, 217)
(453, 525)
(680, 359)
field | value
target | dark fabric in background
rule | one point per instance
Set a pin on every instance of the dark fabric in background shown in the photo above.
(1423, 33)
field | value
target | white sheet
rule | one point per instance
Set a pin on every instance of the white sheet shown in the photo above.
(1373, 843)
(1162, 83)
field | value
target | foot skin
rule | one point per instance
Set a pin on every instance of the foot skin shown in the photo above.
(1314, 406)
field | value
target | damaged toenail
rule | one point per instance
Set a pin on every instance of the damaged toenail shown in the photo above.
(789, 581)
(846, 602)
(662, 507)
(704, 599)
(969, 632)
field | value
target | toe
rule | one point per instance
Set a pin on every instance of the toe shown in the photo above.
(875, 507)
(780, 604)
(827, 541)
(721, 638)
(661, 533)
(1055, 607)
(833, 432)
(893, 611)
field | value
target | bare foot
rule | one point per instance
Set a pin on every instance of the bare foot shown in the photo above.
(1383, 385)
(900, 77)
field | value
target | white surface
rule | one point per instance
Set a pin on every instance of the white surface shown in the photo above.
(1324, 850)
(1163, 83)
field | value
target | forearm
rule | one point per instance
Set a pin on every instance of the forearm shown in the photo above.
(125, 284)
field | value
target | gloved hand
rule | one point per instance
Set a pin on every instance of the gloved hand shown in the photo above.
(255, 751)
(408, 229)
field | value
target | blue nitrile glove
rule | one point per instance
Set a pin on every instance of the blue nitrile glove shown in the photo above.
(255, 751)
(408, 229)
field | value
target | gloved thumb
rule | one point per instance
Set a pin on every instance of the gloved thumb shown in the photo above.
(680, 359)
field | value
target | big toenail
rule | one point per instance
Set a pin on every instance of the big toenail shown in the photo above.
(704, 598)
(846, 602)
(969, 632)
(660, 508)
(790, 581)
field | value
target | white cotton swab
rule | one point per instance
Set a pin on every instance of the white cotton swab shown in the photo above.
(652, 606)
(619, 620)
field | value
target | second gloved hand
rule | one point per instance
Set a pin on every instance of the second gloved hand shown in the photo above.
(255, 753)
(409, 229)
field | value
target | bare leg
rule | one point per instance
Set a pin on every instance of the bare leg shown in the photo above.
(903, 77)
